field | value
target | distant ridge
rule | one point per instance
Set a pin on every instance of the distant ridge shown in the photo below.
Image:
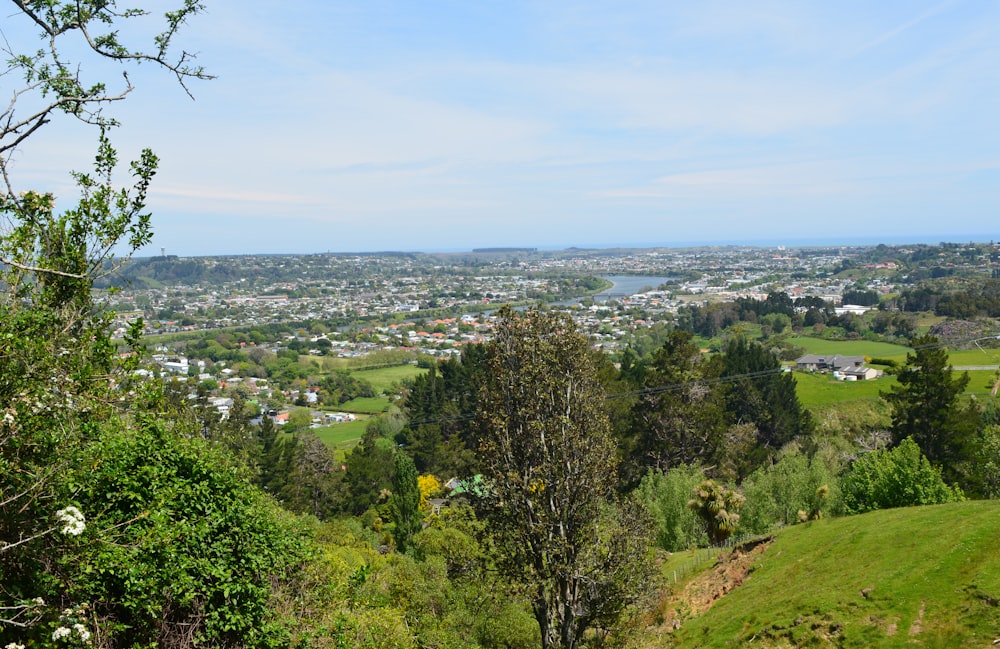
(505, 250)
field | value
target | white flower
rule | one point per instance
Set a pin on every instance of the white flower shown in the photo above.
(61, 632)
(72, 520)
(82, 632)
(67, 612)
(39, 601)
(14, 645)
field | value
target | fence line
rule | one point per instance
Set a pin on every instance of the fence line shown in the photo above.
(705, 555)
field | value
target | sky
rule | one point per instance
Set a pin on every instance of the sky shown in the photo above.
(452, 125)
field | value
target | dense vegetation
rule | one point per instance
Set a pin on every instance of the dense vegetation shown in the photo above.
(513, 496)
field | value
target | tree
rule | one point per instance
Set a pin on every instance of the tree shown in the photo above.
(405, 501)
(898, 477)
(718, 506)
(679, 419)
(925, 407)
(758, 392)
(549, 463)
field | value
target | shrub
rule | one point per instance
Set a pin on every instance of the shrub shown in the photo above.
(777, 494)
(666, 497)
(900, 477)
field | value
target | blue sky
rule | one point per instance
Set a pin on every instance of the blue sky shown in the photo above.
(382, 125)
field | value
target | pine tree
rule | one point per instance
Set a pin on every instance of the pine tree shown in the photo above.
(925, 406)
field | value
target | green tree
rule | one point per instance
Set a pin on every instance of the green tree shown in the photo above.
(666, 496)
(898, 477)
(925, 407)
(679, 418)
(549, 463)
(405, 501)
(758, 392)
(718, 507)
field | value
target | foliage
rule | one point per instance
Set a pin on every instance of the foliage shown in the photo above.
(678, 419)
(61, 376)
(429, 487)
(189, 549)
(718, 507)
(666, 496)
(549, 464)
(405, 501)
(925, 407)
(758, 392)
(369, 472)
(900, 477)
(440, 435)
(985, 471)
(794, 488)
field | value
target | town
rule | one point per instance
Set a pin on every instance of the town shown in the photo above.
(369, 310)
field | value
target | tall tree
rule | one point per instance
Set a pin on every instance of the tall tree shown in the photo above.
(925, 406)
(405, 501)
(678, 417)
(549, 462)
(759, 393)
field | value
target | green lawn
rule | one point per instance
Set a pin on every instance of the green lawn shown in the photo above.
(383, 378)
(899, 578)
(850, 347)
(341, 436)
(974, 357)
(822, 389)
(366, 405)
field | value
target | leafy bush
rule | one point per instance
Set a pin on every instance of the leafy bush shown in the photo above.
(777, 494)
(900, 477)
(184, 548)
(666, 497)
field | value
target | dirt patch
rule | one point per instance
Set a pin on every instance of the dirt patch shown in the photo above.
(918, 624)
(701, 592)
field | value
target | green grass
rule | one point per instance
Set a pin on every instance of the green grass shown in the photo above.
(367, 405)
(850, 347)
(822, 389)
(383, 378)
(974, 357)
(919, 576)
(980, 382)
(341, 436)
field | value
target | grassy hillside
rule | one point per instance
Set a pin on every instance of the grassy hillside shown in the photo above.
(921, 576)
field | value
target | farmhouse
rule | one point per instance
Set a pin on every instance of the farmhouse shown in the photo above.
(838, 363)
(851, 368)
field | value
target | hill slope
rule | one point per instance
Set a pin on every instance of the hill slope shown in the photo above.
(920, 576)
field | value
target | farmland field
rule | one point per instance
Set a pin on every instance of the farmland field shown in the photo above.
(366, 405)
(822, 389)
(973, 357)
(383, 378)
(851, 347)
(341, 436)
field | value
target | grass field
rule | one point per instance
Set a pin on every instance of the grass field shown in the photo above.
(371, 406)
(974, 357)
(850, 347)
(916, 576)
(383, 378)
(822, 389)
(342, 436)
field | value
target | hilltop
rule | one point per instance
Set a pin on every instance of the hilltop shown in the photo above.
(920, 576)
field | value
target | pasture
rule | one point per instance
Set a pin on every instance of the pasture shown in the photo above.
(822, 389)
(384, 378)
(851, 347)
(340, 437)
(365, 405)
